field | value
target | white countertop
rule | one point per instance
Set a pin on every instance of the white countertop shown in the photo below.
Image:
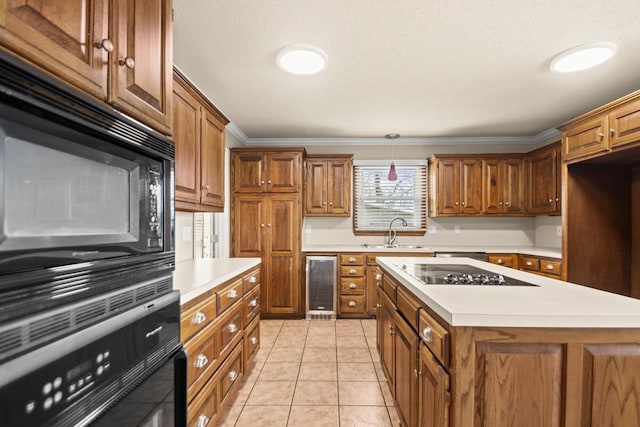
(529, 250)
(553, 303)
(194, 277)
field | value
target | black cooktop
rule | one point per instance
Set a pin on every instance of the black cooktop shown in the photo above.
(458, 274)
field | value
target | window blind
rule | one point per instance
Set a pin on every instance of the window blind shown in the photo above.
(377, 200)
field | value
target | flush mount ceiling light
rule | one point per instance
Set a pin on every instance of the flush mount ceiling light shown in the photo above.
(583, 57)
(302, 59)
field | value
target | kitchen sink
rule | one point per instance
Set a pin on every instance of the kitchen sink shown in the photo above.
(366, 245)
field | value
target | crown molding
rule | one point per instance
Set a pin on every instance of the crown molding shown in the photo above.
(543, 138)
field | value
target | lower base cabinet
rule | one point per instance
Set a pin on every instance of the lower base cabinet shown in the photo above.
(433, 391)
(405, 349)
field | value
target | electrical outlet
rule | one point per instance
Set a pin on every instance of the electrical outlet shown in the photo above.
(456, 229)
(432, 229)
(559, 231)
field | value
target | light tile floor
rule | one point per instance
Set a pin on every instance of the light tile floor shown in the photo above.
(313, 373)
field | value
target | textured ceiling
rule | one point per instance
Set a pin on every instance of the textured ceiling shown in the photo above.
(455, 68)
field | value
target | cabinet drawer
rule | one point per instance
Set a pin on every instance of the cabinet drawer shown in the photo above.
(505, 260)
(231, 372)
(230, 331)
(355, 271)
(352, 304)
(204, 408)
(228, 295)
(196, 318)
(352, 285)
(351, 259)
(435, 336)
(529, 263)
(409, 306)
(251, 305)
(389, 288)
(202, 359)
(251, 340)
(549, 266)
(251, 280)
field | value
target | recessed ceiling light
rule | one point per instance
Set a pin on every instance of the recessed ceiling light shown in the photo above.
(303, 59)
(583, 57)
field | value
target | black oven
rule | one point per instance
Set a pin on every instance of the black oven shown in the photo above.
(129, 370)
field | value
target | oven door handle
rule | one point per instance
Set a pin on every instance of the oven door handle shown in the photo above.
(154, 332)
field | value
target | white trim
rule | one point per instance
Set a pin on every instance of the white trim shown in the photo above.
(237, 132)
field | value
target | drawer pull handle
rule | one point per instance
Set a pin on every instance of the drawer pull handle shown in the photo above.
(500, 261)
(378, 276)
(529, 263)
(353, 286)
(352, 303)
(199, 318)
(253, 303)
(253, 340)
(232, 294)
(352, 259)
(233, 375)
(203, 420)
(253, 279)
(352, 271)
(232, 327)
(201, 361)
(549, 267)
(427, 335)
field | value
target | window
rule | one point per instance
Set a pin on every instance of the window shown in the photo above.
(377, 200)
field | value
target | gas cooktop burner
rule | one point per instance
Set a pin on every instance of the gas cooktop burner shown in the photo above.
(458, 274)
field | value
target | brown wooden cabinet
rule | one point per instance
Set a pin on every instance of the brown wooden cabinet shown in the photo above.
(119, 51)
(433, 391)
(543, 181)
(198, 132)
(503, 190)
(269, 225)
(505, 260)
(458, 186)
(267, 171)
(384, 329)
(605, 129)
(405, 349)
(328, 185)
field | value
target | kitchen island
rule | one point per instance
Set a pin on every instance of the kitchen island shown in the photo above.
(545, 355)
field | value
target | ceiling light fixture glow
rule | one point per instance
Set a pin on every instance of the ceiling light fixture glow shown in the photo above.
(302, 59)
(583, 57)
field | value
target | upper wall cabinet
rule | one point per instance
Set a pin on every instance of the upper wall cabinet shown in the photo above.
(615, 125)
(503, 190)
(543, 181)
(328, 185)
(118, 51)
(270, 171)
(455, 186)
(198, 132)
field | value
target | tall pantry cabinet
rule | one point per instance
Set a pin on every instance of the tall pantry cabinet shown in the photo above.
(266, 221)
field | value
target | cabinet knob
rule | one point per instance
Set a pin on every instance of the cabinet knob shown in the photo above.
(324, 203)
(253, 279)
(457, 203)
(549, 267)
(127, 62)
(253, 340)
(269, 182)
(352, 259)
(507, 203)
(104, 44)
(352, 303)
(353, 286)
(204, 187)
(601, 135)
(612, 131)
(462, 203)
(557, 199)
(390, 329)
(198, 318)
(261, 183)
(233, 375)
(550, 200)
(529, 263)
(232, 294)
(378, 306)
(261, 225)
(330, 203)
(352, 271)
(232, 327)
(253, 302)
(500, 203)
(203, 420)
(268, 225)
(500, 261)
(427, 335)
(201, 361)
(378, 276)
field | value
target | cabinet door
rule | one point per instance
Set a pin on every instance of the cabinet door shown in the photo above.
(283, 172)
(247, 171)
(624, 123)
(385, 326)
(141, 64)
(283, 247)
(586, 138)
(492, 188)
(374, 276)
(405, 345)
(470, 186)
(339, 187)
(186, 135)
(212, 155)
(316, 187)
(448, 187)
(62, 36)
(542, 170)
(512, 180)
(433, 391)
(248, 224)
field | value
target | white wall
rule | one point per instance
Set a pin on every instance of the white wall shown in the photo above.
(184, 236)
(549, 231)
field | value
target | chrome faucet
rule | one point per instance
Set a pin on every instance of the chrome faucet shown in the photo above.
(392, 232)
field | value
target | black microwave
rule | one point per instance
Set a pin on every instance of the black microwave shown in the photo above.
(79, 183)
